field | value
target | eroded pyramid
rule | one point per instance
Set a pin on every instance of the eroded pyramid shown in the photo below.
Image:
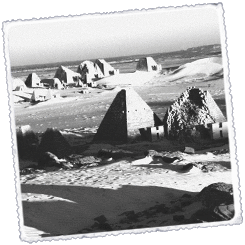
(193, 107)
(127, 113)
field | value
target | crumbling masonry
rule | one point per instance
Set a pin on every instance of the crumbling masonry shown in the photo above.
(193, 107)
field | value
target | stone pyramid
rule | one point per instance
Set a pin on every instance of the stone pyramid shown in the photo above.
(53, 141)
(194, 107)
(127, 113)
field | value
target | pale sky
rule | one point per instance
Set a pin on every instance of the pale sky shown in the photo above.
(91, 37)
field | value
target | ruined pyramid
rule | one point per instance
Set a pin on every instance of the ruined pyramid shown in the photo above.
(194, 107)
(127, 113)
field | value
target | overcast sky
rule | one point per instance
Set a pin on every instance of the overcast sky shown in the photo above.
(91, 37)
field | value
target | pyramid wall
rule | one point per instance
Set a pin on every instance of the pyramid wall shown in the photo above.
(147, 64)
(215, 111)
(114, 125)
(105, 67)
(126, 115)
(139, 114)
(33, 80)
(193, 107)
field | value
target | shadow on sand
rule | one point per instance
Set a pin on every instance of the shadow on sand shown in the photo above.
(69, 209)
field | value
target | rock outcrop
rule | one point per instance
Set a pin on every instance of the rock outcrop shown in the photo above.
(218, 204)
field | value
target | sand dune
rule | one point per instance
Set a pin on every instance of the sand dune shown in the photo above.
(203, 69)
(200, 69)
(137, 78)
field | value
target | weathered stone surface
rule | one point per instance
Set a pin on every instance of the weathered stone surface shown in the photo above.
(217, 213)
(194, 107)
(216, 194)
(217, 204)
(126, 115)
(224, 212)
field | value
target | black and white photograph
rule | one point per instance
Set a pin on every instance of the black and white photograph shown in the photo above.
(121, 122)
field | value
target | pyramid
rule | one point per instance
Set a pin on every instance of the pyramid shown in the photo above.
(194, 107)
(127, 113)
(53, 141)
(33, 81)
(148, 64)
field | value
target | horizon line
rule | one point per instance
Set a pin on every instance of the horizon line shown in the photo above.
(36, 64)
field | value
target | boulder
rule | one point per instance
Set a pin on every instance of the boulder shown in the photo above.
(217, 203)
(216, 194)
(48, 159)
(224, 212)
(189, 150)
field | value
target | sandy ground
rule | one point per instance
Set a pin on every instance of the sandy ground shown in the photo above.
(74, 109)
(65, 202)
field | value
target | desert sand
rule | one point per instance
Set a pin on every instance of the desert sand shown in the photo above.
(67, 201)
(64, 202)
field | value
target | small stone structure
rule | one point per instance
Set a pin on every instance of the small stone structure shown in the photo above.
(218, 130)
(92, 84)
(152, 133)
(84, 91)
(106, 68)
(33, 81)
(41, 95)
(127, 113)
(89, 70)
(52, 83)
(148, 64)
(18, 84)
(67, 76)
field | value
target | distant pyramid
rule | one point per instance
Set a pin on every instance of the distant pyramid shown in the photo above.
(193, 107)
(127, 113)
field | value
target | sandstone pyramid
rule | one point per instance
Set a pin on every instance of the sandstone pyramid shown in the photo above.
(91, 69)
(33, 81)
(148, 64)
(106, 68)
(127, 113)
(194, 107)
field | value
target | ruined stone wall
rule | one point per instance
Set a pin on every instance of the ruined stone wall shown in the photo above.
(193, 107)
